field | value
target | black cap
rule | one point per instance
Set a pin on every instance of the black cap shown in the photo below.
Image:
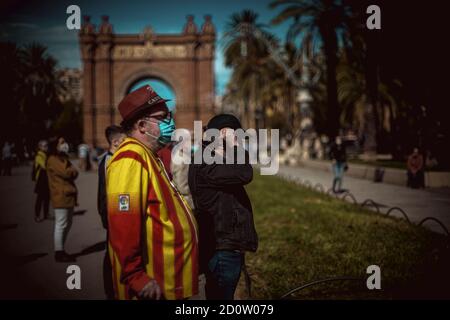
(224, 121)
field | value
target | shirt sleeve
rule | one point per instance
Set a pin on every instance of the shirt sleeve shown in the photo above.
(127, 187)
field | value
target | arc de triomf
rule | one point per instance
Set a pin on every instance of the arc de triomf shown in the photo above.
(113, 63)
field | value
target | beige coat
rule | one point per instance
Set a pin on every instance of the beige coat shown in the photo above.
(61, 176)
(180, 172)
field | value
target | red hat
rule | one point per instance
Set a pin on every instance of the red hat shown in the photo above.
(138, 101)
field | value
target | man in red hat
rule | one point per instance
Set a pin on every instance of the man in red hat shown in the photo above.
(153, 241)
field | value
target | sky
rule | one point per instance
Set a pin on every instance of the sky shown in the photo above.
(45, 22)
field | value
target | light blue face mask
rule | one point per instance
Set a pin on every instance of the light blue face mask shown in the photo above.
(166, 128)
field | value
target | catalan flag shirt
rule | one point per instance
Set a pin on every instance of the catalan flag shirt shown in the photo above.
(152, 231)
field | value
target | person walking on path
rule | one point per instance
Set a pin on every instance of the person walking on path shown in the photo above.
(415, 172)
(41, 182)
(153, 241)
(338, 157)
(115, 136)
(63, 194)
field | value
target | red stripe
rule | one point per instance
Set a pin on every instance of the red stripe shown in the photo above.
(158, 255)
(127, 143)
(179, 239)
(131, 155)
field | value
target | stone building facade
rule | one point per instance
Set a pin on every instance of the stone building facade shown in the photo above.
(112, 63)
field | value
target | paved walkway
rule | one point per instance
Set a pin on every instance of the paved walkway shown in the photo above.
(27, 265)
(417, 204)
(27, 246)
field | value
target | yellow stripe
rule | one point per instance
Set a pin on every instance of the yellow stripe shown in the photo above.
(149, 235)
(187, 269)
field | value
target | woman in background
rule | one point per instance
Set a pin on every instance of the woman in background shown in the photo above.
(63, 194)
(41, 179)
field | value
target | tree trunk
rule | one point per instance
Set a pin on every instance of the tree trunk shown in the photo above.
(371, 75)
(330, 50)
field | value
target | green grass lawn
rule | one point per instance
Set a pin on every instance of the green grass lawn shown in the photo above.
(305, 236)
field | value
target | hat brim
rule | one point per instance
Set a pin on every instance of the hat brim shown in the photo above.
(133, 115)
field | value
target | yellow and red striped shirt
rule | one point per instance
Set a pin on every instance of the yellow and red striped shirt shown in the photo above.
(152, 231)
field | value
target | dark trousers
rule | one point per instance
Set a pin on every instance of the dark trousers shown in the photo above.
(222, 274)
(416, 180)
(108, 275)
(42, 202)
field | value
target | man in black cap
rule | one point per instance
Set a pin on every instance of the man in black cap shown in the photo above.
(224, 213)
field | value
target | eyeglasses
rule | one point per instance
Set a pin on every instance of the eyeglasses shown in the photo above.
(161, 118)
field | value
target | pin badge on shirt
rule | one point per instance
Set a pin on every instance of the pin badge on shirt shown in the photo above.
(124, 202)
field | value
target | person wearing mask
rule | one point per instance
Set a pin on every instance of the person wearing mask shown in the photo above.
(224, 212)
(63, 194)
(338, 157)
(153, 242)
(41, 180)
(115, 136)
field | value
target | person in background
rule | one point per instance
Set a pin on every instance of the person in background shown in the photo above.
(338, 157)
(224, 213)
(83, 156)
(41, 180)
(63, 194)
(7, 158)
(415, 168)
(431, 161)
(179, 167)
(115, 136)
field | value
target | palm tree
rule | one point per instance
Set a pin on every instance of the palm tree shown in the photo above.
(361, 53)
(354, 98)
(10, 77)
(248, 55)
(39, 90)
(323, 21)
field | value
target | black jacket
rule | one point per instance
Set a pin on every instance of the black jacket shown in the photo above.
(101, 194)
(223, 209)
(338, 153)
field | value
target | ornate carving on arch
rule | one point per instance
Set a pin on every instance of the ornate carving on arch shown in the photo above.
(105, 27)
(190, 27)
(208, 27)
